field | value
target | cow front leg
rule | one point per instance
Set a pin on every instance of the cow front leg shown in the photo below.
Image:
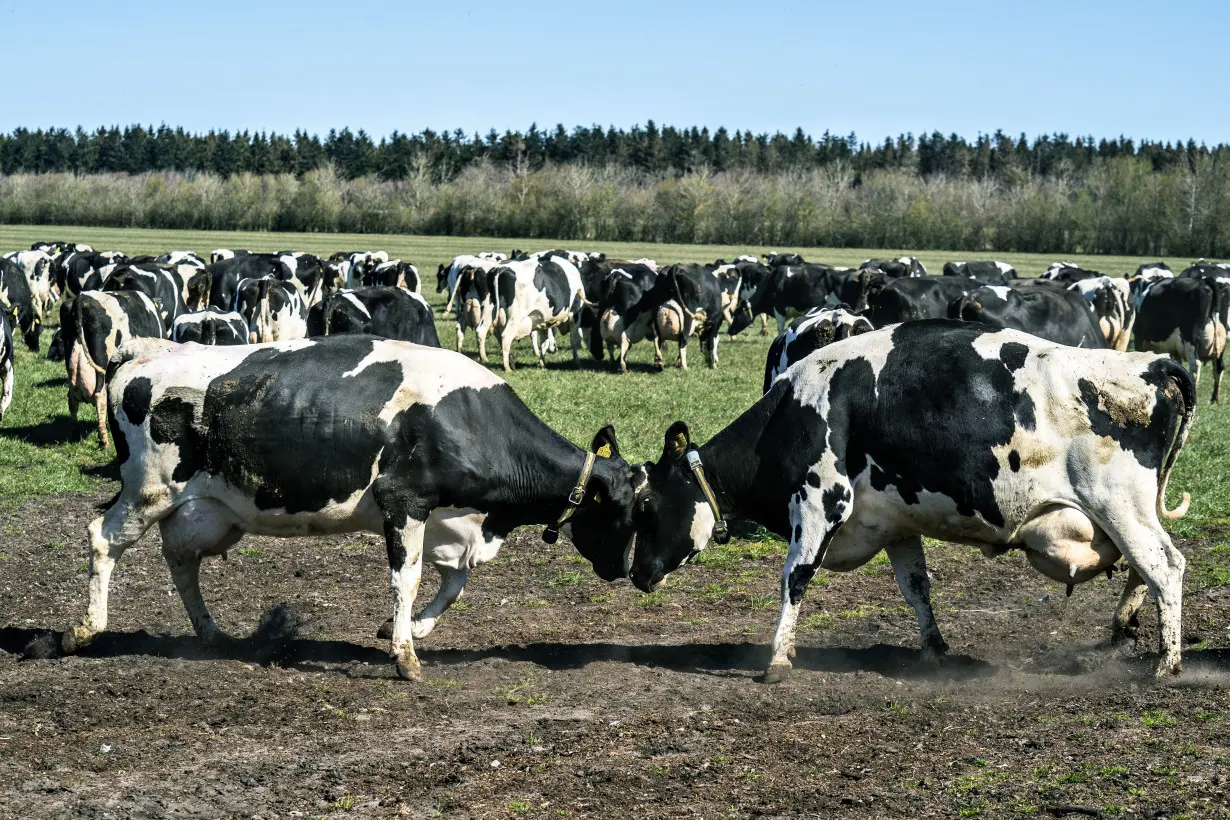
(817, 512)
(404, 543)
(910, 566)
(452, 585)
(764, 324)
(110, 535)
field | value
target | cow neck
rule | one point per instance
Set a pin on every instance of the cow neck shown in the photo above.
(732, 463)
(548, 478)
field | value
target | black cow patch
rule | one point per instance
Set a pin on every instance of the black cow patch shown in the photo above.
(171, 421)
(1130, 427)
(136, 401)
(1013, 354)
(1014, 461)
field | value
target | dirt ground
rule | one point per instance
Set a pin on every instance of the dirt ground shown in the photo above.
(548, 693)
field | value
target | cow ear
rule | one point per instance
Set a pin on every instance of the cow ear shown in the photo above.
(677, 442)
(604, 443)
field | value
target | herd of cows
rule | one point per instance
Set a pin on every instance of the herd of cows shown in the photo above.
(285, 395)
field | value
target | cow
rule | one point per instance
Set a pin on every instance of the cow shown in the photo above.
(532, 295)
(160, 284)
(773, 259)
(54, 249)
(361, 262)
(1154, 270)
(1187, 318)
(905, 266)
(910, 299)
(6, 362)
(93, 326)
(39, 268)
(447, 275)
(1113, 305)
(216, 284)
(388, 312)
(210, 327)
(627, 308)
(18, 301)
(988, 272)
(176, 258)
(474, 303)
(420, 444)
(792, 290)
(306, 272)
(1202, 269)
(1050, 313)
(1067, 272)
(807, 334)
(80, 271)
(222, 254)
(948, 430)
(272, 309)
(394, 274)
(693, 306)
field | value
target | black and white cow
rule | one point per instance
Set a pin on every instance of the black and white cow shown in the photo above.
(388, 312)
(419, 444)
(394, 274)
(1113, 305)
(539, 293)
(210, 327)
(1203, 269)
(693, 305)
(361, 262)
(774, 259)
(1154, 270)
(988, 272)
(272, 308)
(1048, 312)
(628, 304)
(18, 301)
(792, 290)
(447, 275)
(1187, 318)
(217, 283)
(160, 284)
(80, 271)
(910, 299)
(176, 258)
(901, 267)
(306, 272)
(6, 362)
(813, 330)
(993, 438)
(222, 254)
(93, 326)
(39, 268)
(1067, 272)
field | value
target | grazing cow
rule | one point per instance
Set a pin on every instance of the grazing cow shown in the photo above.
(6, 362)
(901, 267)
(693, 306)
(18, 301)
(1067, 272)
(306, 272)
(628, 303)
(394, 274)
(361, 262)
(1060, 316)
(536, 294)
(217, 283)
(80, 271)
(177, 258)
(1186, 318)
(447, 275)
(473, 303)
(1202, 269)
(39, 269)
(813, 330)
(947, 430)
(420, 444)
(991, 273)
(222, 254)
(161, 285)
(210, 327)
(94, 325)
(272, 309)
(908, 300)
(792, 290)
(1113, 306)
(389, 312)
(773, 259)
(54, 249)
(1154, 270)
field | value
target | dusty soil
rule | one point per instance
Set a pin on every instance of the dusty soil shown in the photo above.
(552, 694)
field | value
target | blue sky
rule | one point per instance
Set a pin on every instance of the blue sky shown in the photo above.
(1145, 70)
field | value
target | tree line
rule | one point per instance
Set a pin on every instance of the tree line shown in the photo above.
(664, 151)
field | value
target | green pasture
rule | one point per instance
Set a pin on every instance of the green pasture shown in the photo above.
(42, 454)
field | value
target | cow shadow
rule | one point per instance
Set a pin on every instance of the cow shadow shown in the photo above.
(52, 433)
(61, 381)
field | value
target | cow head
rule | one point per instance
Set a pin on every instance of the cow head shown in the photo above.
(30, 324)
(442, 277)
(602, 527)
(673, 518)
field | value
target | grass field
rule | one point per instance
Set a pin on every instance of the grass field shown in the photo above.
(39, 454)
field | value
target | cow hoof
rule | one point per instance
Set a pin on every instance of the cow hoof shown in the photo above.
(776, 673)
(1168, 669)
(76, 638)
(385, 632)
(409, 668)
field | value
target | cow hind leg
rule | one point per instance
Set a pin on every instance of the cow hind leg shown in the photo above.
(1125, 623)
(816, 514)
(1150, 553)
(1217, 370)
(110, 535)
(100, 406)
(575, 335)
(910, 566)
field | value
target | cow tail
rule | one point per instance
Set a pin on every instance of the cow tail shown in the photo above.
(210, 334)
(85, 347)
(683, 306)
(1187, 387)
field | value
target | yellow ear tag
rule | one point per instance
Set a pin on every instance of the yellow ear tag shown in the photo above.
(604, 451)
(680, 443)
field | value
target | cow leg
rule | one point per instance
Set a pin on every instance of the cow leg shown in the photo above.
(781, 322)
(110, 535)
(682, 364)
(710, 348)
(461, 335)
(1217, 369)
(1149, 551)
(197, 528)
(100, 406)
(624, 346)
(404, 542)
(764, 324)
(812, 529)
(575, 334)
(658, 361)
(910, 566)
(452, 584)
(1125, 623)
(539, 349)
